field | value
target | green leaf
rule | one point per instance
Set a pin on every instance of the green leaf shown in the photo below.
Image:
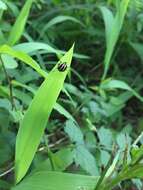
(113, 165)
(125, 139)
(113, 31)
(105, 136)
(4, 103)
(110, 84)
(63, 111)
(30, 47)
(62, 159)
(82, 155)
(108, 19)
(137, 154)
(4, 91)
(19, 25)
(138, 47)
(2, 5)
(57, 106)
(55, 180)
(74, 132)
(129, 172)
(23, 57)
(86, 160)
(9, 62)
(59, 19)
(35, 119)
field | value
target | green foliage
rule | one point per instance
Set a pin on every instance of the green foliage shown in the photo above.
(63, 181)
(113, 27)
(96, 124)
(31, 130)
(17, 29)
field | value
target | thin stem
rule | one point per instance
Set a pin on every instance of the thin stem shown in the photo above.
(10, 85)
(137, 140)
(105, 171)
(6, 172)
(49, 153)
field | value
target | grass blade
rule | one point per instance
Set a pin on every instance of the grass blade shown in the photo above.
(35, 119)
(57, 20)
(19, 25)
(108, 19)
(30, 47)
(23, 57)
(110, 84)
(45, 180)
(112, 33)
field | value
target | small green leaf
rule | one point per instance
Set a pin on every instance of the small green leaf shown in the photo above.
(105, 136)
(111, 84)
(9, 62)
(74, 132)
(86, 160)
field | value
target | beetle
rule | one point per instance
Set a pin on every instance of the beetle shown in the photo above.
(62, 66)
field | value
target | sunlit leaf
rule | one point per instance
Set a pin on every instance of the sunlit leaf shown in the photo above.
(36, 117)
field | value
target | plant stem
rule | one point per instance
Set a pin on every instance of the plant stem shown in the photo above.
(105, 171)
(10, 85)
(49, 153)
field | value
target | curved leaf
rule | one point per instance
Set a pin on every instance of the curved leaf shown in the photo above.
(23, 57)
(19, 25)
(45, 180)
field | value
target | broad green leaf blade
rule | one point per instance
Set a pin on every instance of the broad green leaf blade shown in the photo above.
(114, 34)
(57, 106)
(23, 57)
(19, 25)
(57, 181)
(30, 47)
(108, 19)
(35, 119)
(59, 19)
(114, 84)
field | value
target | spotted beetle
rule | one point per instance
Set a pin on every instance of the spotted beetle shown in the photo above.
(62, 66)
